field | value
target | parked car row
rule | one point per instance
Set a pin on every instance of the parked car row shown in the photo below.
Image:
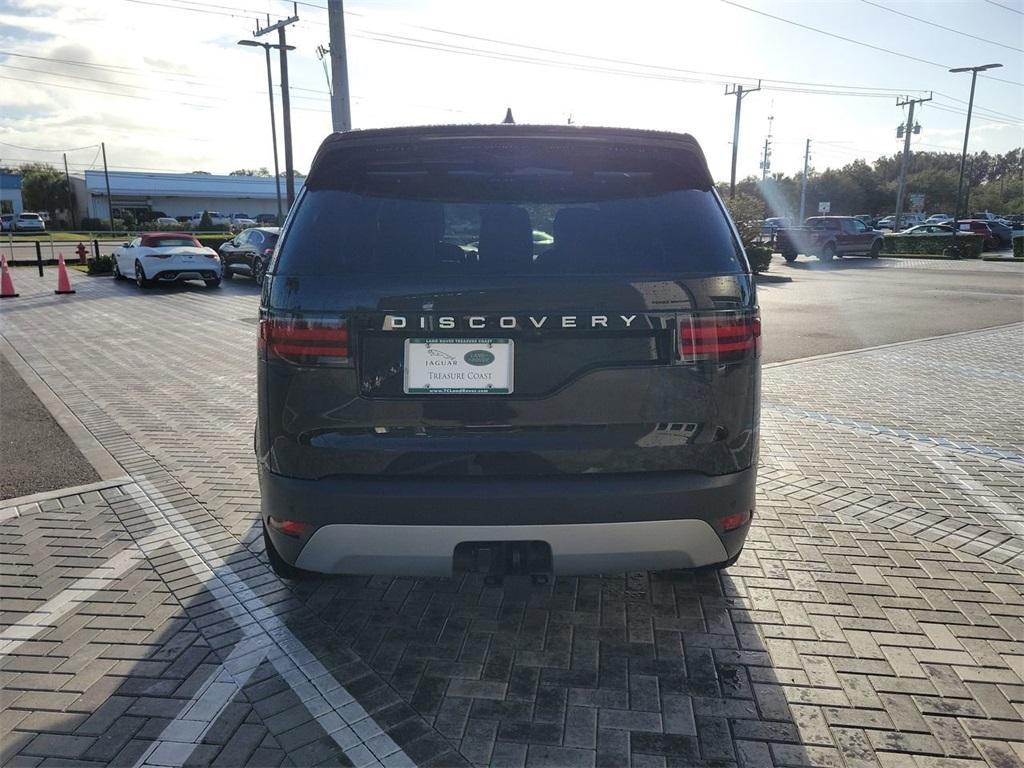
(23, 222)
(168, 257)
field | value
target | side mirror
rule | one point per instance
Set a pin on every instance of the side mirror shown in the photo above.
(126, 245)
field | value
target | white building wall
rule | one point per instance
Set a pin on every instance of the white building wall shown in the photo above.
(178, 194)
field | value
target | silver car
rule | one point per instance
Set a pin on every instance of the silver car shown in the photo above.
(29, 222)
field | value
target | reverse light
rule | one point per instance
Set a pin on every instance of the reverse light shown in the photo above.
(288, 527)
(728, 336)
(305, 341)
(734, 521)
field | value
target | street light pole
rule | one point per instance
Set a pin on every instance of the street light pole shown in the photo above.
(273, 136)
(967, 131)
(273, 122)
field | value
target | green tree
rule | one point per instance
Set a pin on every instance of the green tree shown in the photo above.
(205, 222)
(994, 182)
(747, 212)
(263, 172)
(43, 188)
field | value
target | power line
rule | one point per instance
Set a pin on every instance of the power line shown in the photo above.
(718, 78)
(1004, 7)
(939, 26)
(41, 149)
(240, 14)
(136, 72)
(984, 118)
(978, 106)
(851, 40)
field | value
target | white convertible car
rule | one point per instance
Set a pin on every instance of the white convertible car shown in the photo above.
(166, 257)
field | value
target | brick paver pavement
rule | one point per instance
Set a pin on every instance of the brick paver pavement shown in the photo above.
(875, 618)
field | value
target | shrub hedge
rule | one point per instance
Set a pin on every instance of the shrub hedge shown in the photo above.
(103, 265)
(760, 258)
(213, 241)
(1018, 247)
(934, 244)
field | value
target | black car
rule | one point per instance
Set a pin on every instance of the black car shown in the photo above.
(249, 252)
(585, 404)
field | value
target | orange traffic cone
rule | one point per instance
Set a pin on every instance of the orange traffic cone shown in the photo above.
(6, 284)
(63, 282)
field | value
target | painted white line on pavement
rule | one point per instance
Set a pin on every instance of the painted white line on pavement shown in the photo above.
(50, 613)
(265, 638)
(1008, 516)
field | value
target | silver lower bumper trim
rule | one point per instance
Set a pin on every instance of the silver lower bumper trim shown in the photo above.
(422, 550)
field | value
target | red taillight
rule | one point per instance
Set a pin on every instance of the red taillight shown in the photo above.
(732, 522)
(288, 527)
(268, 251)
(727, 337)
(305, 342)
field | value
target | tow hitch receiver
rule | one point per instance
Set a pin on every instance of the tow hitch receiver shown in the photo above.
(498, 559)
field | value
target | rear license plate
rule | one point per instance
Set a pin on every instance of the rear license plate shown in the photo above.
(458, 366)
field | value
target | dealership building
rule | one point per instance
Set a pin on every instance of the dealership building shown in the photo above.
(10, 193)
(174, 194)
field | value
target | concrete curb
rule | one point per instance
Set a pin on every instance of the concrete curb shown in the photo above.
(59, 493)
(106, 466)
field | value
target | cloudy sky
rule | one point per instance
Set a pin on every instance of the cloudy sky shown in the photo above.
(165, 85)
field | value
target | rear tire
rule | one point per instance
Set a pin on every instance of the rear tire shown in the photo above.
(828, 252)
(225, 271)
(790, 257)
(876, 249)
(140, 277)
(117, 271)
(278, 564)
(215, 283)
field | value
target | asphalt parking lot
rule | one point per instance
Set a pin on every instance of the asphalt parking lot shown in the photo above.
(876, 617)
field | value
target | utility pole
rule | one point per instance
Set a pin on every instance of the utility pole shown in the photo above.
(286, 109)
(967, 131)
(106, 177)
(766, 159)
(341, 108)
(739, 92)
(803, 182)
(71, 201)
(905, 161)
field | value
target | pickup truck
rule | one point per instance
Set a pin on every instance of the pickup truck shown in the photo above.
(827, 237)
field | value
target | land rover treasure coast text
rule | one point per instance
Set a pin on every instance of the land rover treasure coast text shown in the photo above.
(507, 348)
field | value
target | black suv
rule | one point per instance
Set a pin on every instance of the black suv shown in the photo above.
(249, 252)
(441, 388)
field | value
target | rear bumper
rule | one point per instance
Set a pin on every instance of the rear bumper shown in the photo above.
(173, 275)
(592, 523)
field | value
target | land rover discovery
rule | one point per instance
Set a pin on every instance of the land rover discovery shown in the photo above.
(442, 390)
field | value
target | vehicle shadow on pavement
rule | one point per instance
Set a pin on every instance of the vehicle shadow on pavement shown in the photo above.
(763, 278)
(837, 264)
(609, 670)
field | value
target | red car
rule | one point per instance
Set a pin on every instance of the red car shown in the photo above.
(978, 227)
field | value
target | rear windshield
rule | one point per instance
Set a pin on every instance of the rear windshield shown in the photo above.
(508, 221)
(170, 242)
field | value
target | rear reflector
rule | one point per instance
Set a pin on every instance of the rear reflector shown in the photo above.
(727, 337)
(288, 527)
(732, 522)
(305, 342)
